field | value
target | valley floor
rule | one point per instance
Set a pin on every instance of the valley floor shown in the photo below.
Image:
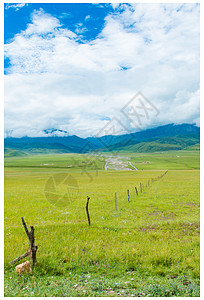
(149, 246)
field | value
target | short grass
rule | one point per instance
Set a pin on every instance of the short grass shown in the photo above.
(148, 247)
(171, 160)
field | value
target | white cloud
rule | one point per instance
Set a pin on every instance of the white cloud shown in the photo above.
(65, 15)
(55, 81)
(115, 5)
(42, 23)
(15, 6)
(88, 17)
(80, 28)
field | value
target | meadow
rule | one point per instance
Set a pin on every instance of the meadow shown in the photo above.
(149, 246)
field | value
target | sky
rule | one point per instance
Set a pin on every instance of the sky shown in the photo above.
(87, 69)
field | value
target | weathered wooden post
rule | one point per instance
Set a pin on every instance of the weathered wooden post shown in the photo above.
(136, 190)
(115, 200)
(87, 210)
(31, 237)
(128, 195)
(32, 248)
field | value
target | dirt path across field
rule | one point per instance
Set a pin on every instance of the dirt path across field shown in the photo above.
(119, 163)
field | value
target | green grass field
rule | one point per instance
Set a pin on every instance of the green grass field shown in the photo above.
(150, 246)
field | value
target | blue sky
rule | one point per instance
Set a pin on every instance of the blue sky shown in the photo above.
(89, 15)
(73, 16)
(74, 67)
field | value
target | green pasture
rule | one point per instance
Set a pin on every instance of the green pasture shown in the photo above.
(171, 160)
(148, 247)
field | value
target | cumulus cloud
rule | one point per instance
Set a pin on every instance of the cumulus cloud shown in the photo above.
(58, 80)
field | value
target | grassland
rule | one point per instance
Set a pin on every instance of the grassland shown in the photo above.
(148, 247)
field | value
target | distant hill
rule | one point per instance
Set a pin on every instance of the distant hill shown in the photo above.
(152, 134)
(164, 144)
(11, 152)
(162, 138)
(154, 144)
(195, 147)
(38, 145)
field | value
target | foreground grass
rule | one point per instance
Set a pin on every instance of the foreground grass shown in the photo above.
(96, 284)
(148, 247)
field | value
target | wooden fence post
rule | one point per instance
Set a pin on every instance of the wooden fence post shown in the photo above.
(136, 191)
(32, 248)
(128, 195)
(87, 210)
(140, 187)
(31, 238)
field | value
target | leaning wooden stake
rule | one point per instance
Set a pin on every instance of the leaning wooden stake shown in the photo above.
(32, 248)
(136, 191)
(20, 257)
(115, 200)
(87, 210)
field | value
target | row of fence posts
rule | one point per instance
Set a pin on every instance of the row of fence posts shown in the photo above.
(33, 248)
(141, 188)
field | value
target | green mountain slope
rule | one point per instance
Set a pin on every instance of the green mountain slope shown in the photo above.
(164, 144)
(195, 147)
(12, 152)
(162, 138)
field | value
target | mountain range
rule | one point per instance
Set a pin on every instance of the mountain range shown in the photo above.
(162, 138)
